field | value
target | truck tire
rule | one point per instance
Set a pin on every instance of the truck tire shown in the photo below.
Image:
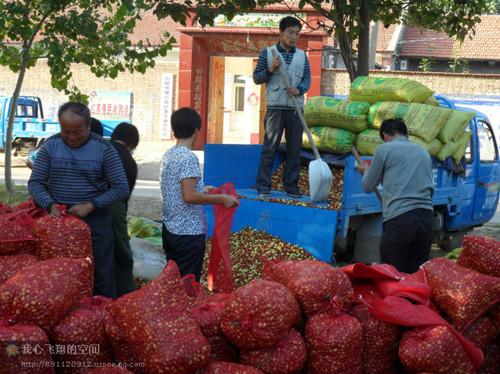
(452, 240)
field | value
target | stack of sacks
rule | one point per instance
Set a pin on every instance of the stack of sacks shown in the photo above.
(334, 123)
(440, 131)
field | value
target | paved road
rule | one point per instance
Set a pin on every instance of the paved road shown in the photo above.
(143, 188)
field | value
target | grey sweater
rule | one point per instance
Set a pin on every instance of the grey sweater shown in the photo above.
(405, 171)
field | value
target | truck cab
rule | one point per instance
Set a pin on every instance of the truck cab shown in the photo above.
(30, 125)
(463, 198)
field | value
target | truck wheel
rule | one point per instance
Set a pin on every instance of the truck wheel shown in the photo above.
(452, 240)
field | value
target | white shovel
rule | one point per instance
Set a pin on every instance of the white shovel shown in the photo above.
(320, 175)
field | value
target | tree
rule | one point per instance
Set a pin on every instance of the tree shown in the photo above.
(426, 64)
(349, 21)
(93, 32)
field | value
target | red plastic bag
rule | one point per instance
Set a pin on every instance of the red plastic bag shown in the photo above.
(23, 350)
(45, 291)
(207, 314)
(109, 370)
(5, 209)
(400, 311)
(481, 254)
(380, 342)
(67, 236)
(461, 293)
(372, 272)
(10, 265)
(26, 205)
(388, 281)
(482, 333)
(155, 323)
(17, 234)
(435, 350)
(84, 326)
(122, 351)
(259, 314)
(220, 274)
(288, 356)
(491, 360)
(216, 367)
(334, 343)
(314, 283)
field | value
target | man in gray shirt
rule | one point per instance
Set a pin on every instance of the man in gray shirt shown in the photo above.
(405, 171)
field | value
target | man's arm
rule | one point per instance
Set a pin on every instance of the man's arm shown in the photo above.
(116, 178)
(37, 184)
(375, 173)
(306, 78)
(261, 74)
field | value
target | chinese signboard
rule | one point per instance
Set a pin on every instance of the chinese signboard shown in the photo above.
(166, 95)
(111, 105)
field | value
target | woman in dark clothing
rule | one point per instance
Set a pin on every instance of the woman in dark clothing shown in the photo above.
(125, 139)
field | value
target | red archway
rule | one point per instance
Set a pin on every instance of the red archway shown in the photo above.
(197, 45)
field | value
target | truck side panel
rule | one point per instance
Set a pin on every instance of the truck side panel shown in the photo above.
(310, 228)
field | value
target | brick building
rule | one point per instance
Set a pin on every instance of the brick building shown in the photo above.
(404, 47)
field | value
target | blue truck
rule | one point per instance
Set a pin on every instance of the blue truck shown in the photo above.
(30, 125)
(462, 201)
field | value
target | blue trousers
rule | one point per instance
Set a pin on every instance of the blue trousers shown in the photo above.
(101, 225)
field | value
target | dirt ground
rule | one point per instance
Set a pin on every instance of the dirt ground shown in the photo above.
(146, 207)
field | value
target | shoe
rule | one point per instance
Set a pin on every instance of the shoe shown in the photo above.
(295, 194)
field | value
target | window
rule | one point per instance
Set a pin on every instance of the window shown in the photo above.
(239, 93)
(487, 145)
(468, 152)
(24, 111)
(239, 99)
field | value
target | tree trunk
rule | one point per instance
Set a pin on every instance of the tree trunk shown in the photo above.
(345, 45)
(12, 115)
(364, 39)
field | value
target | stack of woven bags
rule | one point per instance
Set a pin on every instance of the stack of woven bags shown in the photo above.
(337, 125)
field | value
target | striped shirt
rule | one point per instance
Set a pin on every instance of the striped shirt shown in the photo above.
(92, 173)
(262, 74)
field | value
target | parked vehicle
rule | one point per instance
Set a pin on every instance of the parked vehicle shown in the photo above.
(31, 128)
(461, 200)
(30, 125)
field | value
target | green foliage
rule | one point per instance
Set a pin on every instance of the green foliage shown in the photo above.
(66, 32)
(204, 11)
(459, 65)
(138, 227)
(20, 194)
(456, 18)
(454, 254)
(92, 32)
(426, 64)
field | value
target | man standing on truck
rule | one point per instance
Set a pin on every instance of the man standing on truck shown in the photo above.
(405, 171)
(280, 110)
(83, 171)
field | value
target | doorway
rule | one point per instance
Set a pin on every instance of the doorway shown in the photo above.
(236, 103)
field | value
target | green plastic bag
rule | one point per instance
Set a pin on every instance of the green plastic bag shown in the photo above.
(433, 147)
(463, 142)
(329, 139)
(342, 114)
(455, 126)
(368, 141)
(424, 121)
(431, 101)
(447, 150)
(372, 89)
